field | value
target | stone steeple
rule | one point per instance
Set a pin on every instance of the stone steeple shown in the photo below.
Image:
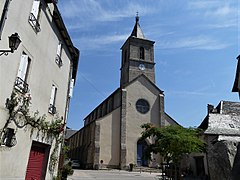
(137, 31)
(137, 57)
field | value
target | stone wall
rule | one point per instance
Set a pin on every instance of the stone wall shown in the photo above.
(224, 160)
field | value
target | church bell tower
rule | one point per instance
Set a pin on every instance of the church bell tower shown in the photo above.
(137, 57)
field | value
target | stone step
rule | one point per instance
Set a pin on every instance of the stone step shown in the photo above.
(146, 169)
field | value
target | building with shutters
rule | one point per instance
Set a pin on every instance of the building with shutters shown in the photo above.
(111, 133)
(44, 67)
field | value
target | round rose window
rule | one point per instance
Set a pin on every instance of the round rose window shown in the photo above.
(142, 106)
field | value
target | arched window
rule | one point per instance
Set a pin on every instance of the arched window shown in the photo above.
(141, 53)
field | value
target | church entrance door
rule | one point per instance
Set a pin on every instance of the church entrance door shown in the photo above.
(141, 145)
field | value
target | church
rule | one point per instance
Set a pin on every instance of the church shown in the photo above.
(111, 133)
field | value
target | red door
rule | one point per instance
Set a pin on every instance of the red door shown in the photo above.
(35, 163)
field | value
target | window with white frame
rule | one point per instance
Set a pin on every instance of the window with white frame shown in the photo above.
(59, 54)
(23, 71)
(34, 15)
(52, 108)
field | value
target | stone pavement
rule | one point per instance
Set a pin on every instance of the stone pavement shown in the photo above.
(112, 174)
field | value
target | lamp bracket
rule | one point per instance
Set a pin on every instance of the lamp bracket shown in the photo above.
(5, 52)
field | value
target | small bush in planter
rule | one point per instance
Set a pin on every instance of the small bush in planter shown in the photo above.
(66, 170)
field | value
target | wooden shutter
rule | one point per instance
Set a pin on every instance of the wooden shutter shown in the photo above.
(22, 71)
(35, 8)
(71, 88)
(53, 95)
(59, 49)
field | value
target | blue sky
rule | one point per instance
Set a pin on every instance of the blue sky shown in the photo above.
(196, 45)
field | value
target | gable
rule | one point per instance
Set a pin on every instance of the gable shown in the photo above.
(169, 120)
(144, 82)
(142, 90)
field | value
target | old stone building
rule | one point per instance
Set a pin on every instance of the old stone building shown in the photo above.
(222, 134)
(111, 132)
(236, 85)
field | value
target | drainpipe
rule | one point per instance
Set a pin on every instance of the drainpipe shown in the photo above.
(4, 16)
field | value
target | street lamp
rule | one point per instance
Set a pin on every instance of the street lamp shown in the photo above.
(14, 41)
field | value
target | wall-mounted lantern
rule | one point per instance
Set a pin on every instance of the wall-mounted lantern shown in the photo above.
(14, 41)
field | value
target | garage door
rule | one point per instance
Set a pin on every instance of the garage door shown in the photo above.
(36, 163)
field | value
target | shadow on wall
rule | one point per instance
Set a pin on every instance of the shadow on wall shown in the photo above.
(224, 160)
(236, 164)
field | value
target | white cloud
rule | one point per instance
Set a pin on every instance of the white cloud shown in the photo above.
(98, 42)
(221, 14)
(201, 43)
(85, 15)
(226, 24)
(222, 11)
(202, 4)
(99, 11)
(110, 39)
(188, 93)
(216, 6)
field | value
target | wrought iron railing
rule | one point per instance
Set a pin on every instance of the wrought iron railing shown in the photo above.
(21, 85)
(52, 109)
(34, 22)
(58, 61)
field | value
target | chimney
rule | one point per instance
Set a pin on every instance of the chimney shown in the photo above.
(210, 108)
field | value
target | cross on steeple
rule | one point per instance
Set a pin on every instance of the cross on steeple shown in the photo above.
(137, 32)
(137, 17)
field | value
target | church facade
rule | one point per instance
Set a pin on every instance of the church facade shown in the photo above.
(111, 133)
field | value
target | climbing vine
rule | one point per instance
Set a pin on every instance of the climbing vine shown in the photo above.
(18, 109)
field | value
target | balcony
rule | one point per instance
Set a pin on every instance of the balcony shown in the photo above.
(21, 85)
(52, 109)
(58, 61)
(34, 23)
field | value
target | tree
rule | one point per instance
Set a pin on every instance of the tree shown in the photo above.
(172, 142)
